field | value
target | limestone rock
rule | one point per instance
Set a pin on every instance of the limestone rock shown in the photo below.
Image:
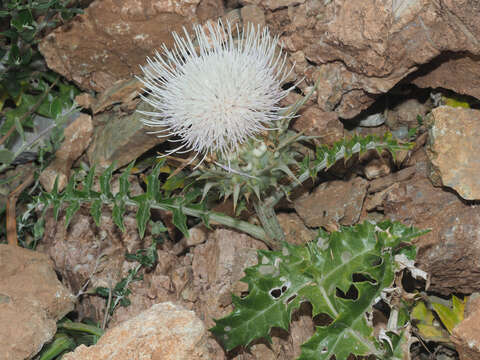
(333, 203)
(77, 138)
(120, 139)
(457, 72)
(32, 300)
(454, 149)
(449, 252)
(363, 48)
(165, 331)
(111, 38)
(315, 122)
(295, 230)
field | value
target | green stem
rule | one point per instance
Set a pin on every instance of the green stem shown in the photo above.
(222, 219)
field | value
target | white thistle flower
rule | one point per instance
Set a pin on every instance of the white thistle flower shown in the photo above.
(219, 95)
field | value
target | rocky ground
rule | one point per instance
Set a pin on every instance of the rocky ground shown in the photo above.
(381, 66)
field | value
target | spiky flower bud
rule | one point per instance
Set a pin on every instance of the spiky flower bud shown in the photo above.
(215, 96)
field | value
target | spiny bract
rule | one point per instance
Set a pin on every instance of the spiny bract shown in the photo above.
(215, 96)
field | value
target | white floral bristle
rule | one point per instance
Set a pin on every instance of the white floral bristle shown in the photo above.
(215, 97)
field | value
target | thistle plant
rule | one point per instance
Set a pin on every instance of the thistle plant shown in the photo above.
(218, 97)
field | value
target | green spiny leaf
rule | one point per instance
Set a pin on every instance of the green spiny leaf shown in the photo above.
(314, 273)
(153, 183)
(105, 179)
(118, 212)
(180, 221)
(96, 211)
(71, 210)
(143, 214)
(124, 184)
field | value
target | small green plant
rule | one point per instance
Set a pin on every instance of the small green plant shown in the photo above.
(118, 295)
(358, 260)
(70, 335)
(28, 91)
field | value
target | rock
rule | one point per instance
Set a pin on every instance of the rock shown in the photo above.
(120, 139)
(198, 235)
(111, 39)
(449, 252)
(32, 300)
(85, 100)
(165, 331)
(372, 120)
(457, 72)
(405, 113)
(274, 4)
(295, 230)
(252, 14)
(376, 168)
(218, 266)
(363, 48)
(315, 122)
(387, 181)
(453, 149)
(333, 203)
(77, 138)
(466, 335)
(123, 92)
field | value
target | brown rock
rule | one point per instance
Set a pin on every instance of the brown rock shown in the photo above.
(466, 335)
(165, 331)
(449, 252)
(316, 122)
(453, 149)
(295, 230)
(111, 39)
(120, 139)
(364, 48)
(274, 4)
(252, 14)
(32, 300)
(405, 113)
(387, 181)
(333, 203)
(457, 72)
(77, 138)
(85, 100)
(124, 92)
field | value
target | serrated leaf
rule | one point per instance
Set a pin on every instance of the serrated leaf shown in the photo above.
(96, 211)
(180, 221)
(88, 183)
(143, 215)
(124, 184)
(70, 211)
(153, 182)
(118, 212)
(313, 273)
(104, 180)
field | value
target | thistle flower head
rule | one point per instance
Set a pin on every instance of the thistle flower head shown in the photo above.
(214, 96)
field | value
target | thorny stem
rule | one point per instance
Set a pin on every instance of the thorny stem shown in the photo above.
(219, 218)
